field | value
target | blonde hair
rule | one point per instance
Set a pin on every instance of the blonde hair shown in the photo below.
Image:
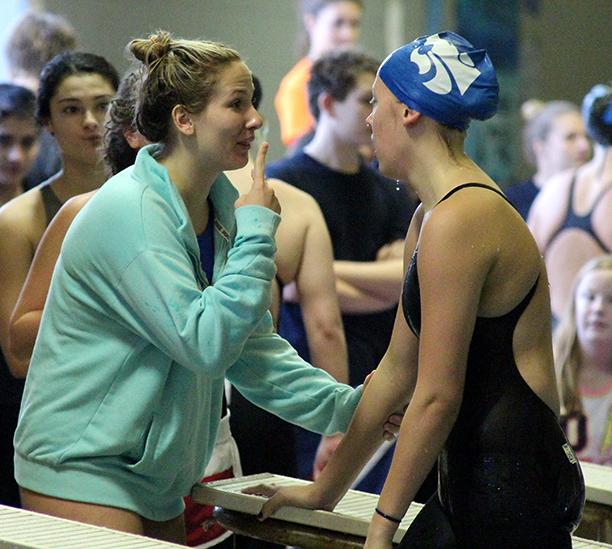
(178, 72)
(540, 124)
(567, 346)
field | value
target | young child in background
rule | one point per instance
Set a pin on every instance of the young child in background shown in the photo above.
(583, 358)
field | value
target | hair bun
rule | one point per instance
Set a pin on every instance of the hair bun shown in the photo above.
(531, 108)
(149, 50)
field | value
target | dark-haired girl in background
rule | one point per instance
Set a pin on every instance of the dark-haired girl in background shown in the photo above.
(75, 90)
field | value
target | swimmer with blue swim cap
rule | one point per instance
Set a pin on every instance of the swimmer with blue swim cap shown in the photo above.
(471, 350)
(444, 77)
(597, 114)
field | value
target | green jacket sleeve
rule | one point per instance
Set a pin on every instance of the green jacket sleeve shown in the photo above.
(272, 375)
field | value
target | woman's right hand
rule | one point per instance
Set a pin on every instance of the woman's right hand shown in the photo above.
(260, 194)
(305, 496)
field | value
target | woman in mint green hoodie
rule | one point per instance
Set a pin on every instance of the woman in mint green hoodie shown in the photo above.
(125, 385)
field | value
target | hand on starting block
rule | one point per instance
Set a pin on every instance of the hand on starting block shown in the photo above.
(305, 496)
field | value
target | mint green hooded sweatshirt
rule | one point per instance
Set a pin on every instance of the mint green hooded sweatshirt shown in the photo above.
(123, 396)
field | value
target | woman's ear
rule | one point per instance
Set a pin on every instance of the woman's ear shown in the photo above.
(181, 119)
(409, 116)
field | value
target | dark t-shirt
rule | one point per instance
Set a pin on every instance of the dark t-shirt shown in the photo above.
(363, 211)
(522, 195)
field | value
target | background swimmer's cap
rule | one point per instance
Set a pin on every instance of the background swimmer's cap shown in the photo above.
(597, 114)
(444, 77)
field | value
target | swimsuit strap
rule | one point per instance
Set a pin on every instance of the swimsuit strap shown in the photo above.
(464, 185)
(51, 202)
(570, 196)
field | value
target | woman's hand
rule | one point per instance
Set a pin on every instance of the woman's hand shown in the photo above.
(392, 426)
(392, 250)
(305, 496)
(260, 194)
(325, 451)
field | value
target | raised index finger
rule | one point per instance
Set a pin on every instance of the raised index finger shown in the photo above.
(257, 174)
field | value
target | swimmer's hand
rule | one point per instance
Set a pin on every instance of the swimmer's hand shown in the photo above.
(325, 451)
(391, 428)
(260, 194)
(305, 496)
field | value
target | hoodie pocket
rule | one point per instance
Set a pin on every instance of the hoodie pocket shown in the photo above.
(144, 462)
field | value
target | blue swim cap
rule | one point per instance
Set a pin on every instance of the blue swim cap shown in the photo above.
(444, 77)
(597, 114)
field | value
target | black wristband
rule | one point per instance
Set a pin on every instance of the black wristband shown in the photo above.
(388, 517)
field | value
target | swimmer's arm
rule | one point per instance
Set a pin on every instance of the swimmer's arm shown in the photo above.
(25, 320)
(547, 211)
(536, 222)
(15, 257)
(319, 301)
(454, 259)
(350, 299)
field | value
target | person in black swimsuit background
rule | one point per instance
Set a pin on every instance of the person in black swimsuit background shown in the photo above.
(571, 219)
(75, 91)
(471, 349)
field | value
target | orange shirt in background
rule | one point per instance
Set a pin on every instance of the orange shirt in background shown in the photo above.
(291, 103)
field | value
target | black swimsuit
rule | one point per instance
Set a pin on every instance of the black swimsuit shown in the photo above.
(507, 476)
(50, 200)
(583, 222)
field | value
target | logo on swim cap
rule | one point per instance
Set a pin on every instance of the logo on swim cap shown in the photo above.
(456, 65)
(444, 77)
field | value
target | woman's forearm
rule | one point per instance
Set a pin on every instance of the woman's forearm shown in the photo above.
(328, 351)
(352, 300)
(381, 279)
